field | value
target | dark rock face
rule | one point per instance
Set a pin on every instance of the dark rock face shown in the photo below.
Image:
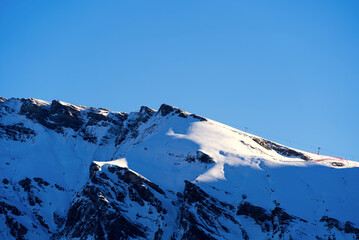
(146, 112)
(134, 179)
(35, 112)
(16, 229)
(204, 158)
(31, 191)
(28, 188)
(337, 164)
(100, 209)
(7, 208)
(200, 215)
(16, 132)
(65, 116)
(288, 152)
(332, 223)
(165, 109)
(25, 184)
(94, 216)
(258, 214)
(277, 220)
(2, 99)
(346, 227)
(128, 130)
(349, 228)
(58, 117)
(41, 182)
(93, 169)
(198, 117)
(59, 187)
(95, 118)
(54, 117)
(200, 157)
(204, 217)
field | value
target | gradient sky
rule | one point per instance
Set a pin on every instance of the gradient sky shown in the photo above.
(287, 70)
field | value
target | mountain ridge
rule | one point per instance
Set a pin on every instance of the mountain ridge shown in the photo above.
(75, 172)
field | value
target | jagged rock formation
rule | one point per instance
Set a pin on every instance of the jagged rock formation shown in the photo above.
(72, 172)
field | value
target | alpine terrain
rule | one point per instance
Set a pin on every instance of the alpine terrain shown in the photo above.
(74, 172)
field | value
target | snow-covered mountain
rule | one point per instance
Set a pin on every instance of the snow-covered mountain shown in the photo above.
(73, 172)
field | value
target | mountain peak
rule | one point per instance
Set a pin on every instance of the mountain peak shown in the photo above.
(3, 99)
(166, 109)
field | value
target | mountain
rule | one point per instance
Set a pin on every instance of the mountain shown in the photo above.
(75, 172)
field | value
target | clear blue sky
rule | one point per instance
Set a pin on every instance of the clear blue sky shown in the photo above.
(287, 70)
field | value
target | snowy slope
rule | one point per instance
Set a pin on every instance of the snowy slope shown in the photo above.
(72, 172)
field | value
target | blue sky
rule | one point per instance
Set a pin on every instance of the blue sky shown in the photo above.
(287, 70)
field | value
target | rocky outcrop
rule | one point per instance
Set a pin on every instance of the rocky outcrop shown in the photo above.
(55, 116)
(6, 208)
(204, 217)
(65, 116)
(17, 230)
(101, 209)
(200, 157)
(34, 198)
(58, 116)
(16, 132)
(347, 227)
(92, 215)
(27, 186)
(274, 221)
(285, 151)
(36, 112)
(166, 110)
(204, 158)
(2, 99)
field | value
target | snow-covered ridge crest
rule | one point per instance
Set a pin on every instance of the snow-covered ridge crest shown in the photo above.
(69, 171)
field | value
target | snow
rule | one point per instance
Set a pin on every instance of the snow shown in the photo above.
(39, 102)
(118, 162)
(77, 107)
